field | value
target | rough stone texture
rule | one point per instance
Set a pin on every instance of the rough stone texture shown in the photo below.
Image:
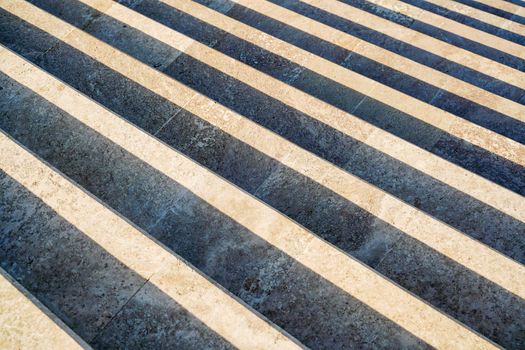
(110, 305)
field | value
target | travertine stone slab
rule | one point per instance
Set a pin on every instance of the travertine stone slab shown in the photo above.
(451, 26)
(481, 15)
(425, 42)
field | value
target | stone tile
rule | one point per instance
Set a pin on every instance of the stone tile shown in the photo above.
(180, 21)
(435, 198)
(228, 253)
(329, 91)
(328, 215)
(23, 39)
(475, 46)
(481, 115)
(132, 41)
(481, 162)
(482, 80)
(398, 123)
(289, 34)
(382, 12)
(71, 11)
(96, 80)
(26, 323)
(391, 77)
(217, 150)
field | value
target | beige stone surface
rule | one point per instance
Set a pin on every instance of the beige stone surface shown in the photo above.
(502, 5)
(486, 17)
(453, 27)
(480, 258)
(167, 277)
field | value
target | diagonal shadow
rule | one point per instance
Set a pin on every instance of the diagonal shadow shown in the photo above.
(468, 20)
(225, 251)
(426, 58)
(84, 285)
(389, 174)
(440, 34)
(343, 99)
(24, 300)
(495, 11)
(162, 214)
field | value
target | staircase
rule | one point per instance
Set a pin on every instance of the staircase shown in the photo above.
(262, 174)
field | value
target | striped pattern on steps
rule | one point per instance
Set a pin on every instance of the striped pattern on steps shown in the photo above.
(299, 246)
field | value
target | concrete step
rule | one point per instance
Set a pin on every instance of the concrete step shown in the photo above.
(170, 117)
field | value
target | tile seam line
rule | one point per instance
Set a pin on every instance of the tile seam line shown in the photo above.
(181, 108)
(155, 241)
(99, 333)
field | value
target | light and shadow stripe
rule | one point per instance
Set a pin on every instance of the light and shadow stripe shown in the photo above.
(322, 258)
(482, 16)
(502, 5)
(453, 27)
(412, 106)
(432, 165)
(478, 257)
(382, 56)
(452, 53)
(215, 307)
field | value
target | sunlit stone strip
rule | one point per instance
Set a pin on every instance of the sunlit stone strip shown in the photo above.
(503, 5)
(483, 16)
(27, 324)
(422, 41)
(452, 26)
(138, 252)
(215, 307)
(476, 186)
(376, 53)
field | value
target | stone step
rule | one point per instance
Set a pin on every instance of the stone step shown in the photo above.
(27, 324)
(94, 267)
